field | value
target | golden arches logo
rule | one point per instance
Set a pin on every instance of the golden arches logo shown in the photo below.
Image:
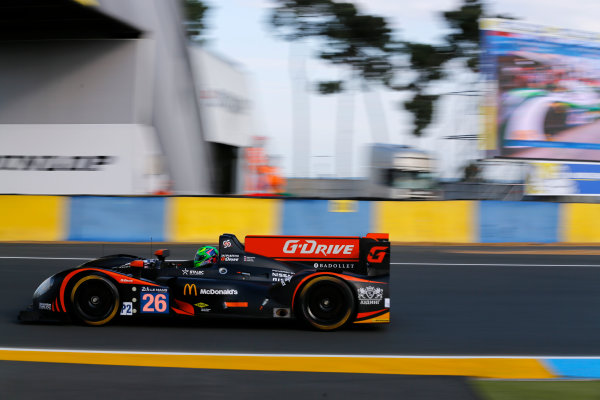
(187, 289)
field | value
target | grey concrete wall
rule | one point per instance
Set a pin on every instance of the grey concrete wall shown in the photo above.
(72, 81)
(175, 111)
(139, 81)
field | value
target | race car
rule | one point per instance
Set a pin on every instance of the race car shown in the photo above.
(327, 282)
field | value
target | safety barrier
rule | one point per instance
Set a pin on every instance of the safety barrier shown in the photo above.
(203, 219)
(427, 221)
(38, 218)
(118, 219)
(498, 367)
(512, 221)
(326, 217)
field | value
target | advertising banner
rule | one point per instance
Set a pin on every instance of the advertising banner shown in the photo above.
(543, 91)
(119, 159)
(563, 179)
(224, 99)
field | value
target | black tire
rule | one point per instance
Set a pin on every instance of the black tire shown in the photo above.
(555, 120)
(326, 303)
(95, 300)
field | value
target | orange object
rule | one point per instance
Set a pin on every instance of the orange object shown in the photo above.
(230, 304)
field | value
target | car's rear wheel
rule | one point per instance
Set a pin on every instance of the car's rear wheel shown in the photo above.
(326, 303)
(95, 300)
(555, 120)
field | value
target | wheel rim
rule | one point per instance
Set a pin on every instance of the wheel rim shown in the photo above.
(95, 300)
(326, 304)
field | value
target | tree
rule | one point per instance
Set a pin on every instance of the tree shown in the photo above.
(346, 37)
(430, 61)
(365, 44)
(194, 14)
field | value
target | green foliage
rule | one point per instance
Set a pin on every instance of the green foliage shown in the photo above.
(364, 43)
(429, 61)
(346, 36)
(195, 13)
(421, 107)
(330, 87)
(537, 390)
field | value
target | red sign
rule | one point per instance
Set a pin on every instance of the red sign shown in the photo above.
(304, 247)
(377, 254)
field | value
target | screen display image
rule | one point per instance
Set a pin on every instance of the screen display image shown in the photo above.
(546, 88)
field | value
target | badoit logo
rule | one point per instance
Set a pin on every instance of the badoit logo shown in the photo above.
(295, 246)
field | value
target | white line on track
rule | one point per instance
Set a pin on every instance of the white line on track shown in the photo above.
(446, 356)
(497, 265)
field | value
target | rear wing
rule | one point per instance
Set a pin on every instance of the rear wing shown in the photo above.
(369, 255)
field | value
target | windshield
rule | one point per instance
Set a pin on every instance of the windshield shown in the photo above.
(409, 179)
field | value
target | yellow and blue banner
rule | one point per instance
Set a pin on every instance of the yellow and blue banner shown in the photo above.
(203, 219)
(426, 221)
(35, 218)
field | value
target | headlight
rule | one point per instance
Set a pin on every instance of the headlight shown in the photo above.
(43, 288)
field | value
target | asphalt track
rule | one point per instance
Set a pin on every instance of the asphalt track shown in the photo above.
(453, 301)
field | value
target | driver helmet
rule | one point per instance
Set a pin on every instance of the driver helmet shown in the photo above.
(206, 255)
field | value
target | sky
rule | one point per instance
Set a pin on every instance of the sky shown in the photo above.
(238, 31)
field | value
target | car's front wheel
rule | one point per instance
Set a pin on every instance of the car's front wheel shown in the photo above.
(95, 300)
(326, 303)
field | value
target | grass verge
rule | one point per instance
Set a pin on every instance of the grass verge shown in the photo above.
(537, 390)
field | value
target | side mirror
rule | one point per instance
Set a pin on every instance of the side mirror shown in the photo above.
(162, 254)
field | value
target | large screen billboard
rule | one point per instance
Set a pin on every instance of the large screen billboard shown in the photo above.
(542, 91)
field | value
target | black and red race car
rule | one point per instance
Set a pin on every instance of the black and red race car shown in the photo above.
(325, 281)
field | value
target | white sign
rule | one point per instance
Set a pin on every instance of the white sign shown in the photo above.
(224, 99)
(77, 159)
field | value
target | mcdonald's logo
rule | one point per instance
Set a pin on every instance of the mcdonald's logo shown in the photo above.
(187, 289)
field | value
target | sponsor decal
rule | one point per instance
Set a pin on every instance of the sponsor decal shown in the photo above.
(296, 247)
(226, 244)
(333, 265)
(281, 276)
(155, 303)
(54, 163)
(189, 288)
(370, 295)
(192, 272)
(153, 289)
(196, 272)
(282, 313)
(377, 254)
(386, 302)
(125, 280)
(249, 258)
(45, 306)
(127, 308)
(219, 291)
(222, 270)
(234, 304)
(201, 305)
(309, 246)
(230, 257)
(342, 206)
